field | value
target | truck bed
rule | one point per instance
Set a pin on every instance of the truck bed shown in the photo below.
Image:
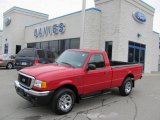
(115, 64)
(121, 69)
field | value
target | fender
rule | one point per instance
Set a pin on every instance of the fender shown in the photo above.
(65, 82)
(69, 84)
(129, 72)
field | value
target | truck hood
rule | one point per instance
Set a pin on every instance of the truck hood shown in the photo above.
(45, 68)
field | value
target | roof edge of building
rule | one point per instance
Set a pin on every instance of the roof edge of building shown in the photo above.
(96, 9)
(25, 10)
(156, 32)
(147, 4)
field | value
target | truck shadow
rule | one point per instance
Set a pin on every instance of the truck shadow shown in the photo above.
(83, 106)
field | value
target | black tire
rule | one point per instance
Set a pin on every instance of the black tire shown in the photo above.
(58, 105)
(9, 66)
(126, 87)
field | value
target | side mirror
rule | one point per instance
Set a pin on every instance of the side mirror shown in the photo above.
(91, 67)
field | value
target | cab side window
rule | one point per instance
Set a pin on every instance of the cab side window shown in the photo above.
(97, 60)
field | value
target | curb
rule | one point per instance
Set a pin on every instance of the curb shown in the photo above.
(151, 74)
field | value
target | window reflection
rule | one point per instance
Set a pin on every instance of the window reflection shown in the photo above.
(57, 46)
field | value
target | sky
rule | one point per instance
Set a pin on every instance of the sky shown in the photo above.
(55, 8)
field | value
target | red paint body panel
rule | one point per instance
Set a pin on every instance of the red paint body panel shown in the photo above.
(85, 81)
(120, 73)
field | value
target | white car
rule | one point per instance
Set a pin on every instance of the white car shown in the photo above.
(6, 61)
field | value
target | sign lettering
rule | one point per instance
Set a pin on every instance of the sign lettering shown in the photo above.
(50, 30)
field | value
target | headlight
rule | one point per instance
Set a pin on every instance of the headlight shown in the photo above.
(40, 84)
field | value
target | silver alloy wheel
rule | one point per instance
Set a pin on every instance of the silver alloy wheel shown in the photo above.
(128, 87)
(9, 66)
(65, 102)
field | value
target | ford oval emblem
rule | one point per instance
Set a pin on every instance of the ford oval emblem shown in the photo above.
(139, 17)
(6, 20)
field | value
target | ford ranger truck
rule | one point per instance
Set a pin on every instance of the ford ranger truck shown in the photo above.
(75, 74)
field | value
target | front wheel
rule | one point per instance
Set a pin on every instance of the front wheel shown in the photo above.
(63, 101)
(126, 87)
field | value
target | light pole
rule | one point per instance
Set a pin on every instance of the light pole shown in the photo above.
(83, 23)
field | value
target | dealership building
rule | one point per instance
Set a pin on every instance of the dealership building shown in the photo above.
(123, 28)
(1, 41)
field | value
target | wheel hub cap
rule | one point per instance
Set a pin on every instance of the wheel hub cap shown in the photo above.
(9, 66)
(65, 102)
(128, 87)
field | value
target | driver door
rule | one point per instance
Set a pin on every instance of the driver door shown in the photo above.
(95, 80)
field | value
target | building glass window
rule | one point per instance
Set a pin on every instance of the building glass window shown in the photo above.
(6, 48)
(51, 56)
(53, 46)
(136, 52)
(38, 45)
(57, 46)
(61, 46)
(108, 49)
(44, 45)
(131, 55)
(74, 43)
(142, 56)
(67, 44)
(31, 45)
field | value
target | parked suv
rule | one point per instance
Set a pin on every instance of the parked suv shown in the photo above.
(6, 61)
(31, 56)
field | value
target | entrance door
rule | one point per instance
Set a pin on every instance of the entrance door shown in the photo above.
(108, 49)
(142, 55)
(136, 53)
(18, 48)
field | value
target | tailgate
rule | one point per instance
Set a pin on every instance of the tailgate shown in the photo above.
(24, 61)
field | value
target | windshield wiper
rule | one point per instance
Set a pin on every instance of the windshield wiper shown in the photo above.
(67, 64)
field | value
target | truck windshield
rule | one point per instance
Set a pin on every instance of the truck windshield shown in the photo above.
(72, 58)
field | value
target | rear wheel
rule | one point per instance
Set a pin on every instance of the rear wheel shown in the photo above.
(126, 87)
(63, 101)
(9, 66)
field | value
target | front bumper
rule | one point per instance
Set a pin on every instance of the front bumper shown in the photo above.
(41, 97)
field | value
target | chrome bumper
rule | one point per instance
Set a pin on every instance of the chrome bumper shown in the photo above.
(31, 92)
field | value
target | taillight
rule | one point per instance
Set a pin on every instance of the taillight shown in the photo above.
(36, 61)
(1, 60)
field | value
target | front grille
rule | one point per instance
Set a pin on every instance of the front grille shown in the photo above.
(24, 80)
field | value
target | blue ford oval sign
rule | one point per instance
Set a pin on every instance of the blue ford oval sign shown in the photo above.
(139, 17)
(7, 20)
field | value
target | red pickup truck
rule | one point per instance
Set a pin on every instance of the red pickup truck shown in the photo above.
(75, 74)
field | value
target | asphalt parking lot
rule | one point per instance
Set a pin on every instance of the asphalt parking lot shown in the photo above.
(142, 104)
